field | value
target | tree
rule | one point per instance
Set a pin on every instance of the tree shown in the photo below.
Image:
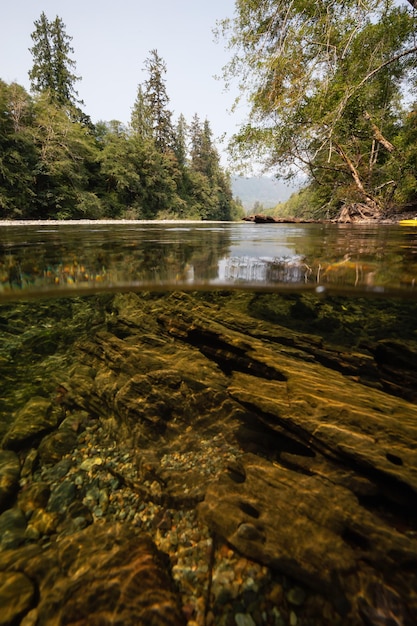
(66, 152)
(156, 101)
(323, 78)
(141, 119)
(18, 155)
(53, 68)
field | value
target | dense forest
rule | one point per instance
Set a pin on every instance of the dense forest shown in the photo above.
(55, 163)
(331, 86)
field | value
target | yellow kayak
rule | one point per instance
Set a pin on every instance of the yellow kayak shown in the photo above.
(408, 222)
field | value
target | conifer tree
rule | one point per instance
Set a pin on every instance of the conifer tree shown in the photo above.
(141, 117)
(53, 68)
(156, 100)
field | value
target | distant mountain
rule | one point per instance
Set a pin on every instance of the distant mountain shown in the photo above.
(265, 191)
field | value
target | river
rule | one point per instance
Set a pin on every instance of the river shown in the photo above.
(208, 424)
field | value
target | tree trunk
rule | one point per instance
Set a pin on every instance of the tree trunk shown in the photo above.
(369, 201)
(378, 136)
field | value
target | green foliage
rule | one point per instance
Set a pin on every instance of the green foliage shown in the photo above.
(52, 70)
(327, 83)
(55, 164)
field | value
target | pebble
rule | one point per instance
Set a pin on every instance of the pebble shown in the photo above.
(88, 464)
(296, 596)
(244, 619)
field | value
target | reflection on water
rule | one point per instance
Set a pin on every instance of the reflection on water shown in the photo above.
(67, 257)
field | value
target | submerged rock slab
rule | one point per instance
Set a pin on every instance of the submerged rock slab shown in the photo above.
(312, 529)
(105, 574)
(312, 466)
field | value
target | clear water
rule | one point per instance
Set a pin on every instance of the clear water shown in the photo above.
(170, 354)
(60, 258)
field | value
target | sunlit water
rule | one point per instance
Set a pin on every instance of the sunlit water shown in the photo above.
(105, 319)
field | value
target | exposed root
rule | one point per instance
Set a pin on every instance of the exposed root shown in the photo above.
(357, 211)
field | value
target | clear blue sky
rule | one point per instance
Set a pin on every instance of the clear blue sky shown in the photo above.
(111, 41)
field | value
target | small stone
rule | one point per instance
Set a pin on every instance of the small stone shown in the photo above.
(296, 596)
(54, 446)
(62, 497)
(276, 594)
(36, 418)
(29, 463)
(12, 528)
(244, 619)
(58, 471)
(35, 496)
(249, 532)
(42, 522)
(88, 464)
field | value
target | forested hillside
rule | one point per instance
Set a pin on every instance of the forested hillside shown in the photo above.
(55, 163)
(260, 192)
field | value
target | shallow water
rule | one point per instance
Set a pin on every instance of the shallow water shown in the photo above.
(243, 394)
(56, 257)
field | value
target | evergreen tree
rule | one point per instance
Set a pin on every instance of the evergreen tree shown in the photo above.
(141, 119)
(66, 153)
(156, 101)
(53, 68)
(180, 141)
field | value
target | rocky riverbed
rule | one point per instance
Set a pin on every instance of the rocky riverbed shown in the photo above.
(208, 459)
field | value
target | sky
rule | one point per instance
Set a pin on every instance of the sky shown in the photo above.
(111, 42)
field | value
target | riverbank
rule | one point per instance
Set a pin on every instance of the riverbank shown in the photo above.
(353, 216)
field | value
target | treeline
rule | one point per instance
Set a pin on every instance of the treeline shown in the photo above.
(55, 163)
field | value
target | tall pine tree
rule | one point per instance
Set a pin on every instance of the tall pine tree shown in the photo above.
(156, 100)
(53, 68)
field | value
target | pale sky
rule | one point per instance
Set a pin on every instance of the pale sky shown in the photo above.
(111, 41)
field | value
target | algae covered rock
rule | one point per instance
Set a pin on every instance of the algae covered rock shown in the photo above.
(36, 418)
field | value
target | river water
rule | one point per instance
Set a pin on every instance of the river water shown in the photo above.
(244, 395)
(58, 258)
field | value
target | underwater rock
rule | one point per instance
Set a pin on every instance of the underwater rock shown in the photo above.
(326, 489)
(12, 528)
(307, 527)
(35, 419)
(17, 596)
(9, 476)
(55, 445)
(104, 574)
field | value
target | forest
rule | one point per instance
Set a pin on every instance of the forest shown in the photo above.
(56, 164)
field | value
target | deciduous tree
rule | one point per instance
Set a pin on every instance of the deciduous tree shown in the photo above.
(316, 74)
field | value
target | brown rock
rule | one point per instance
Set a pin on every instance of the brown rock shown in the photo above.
(35, 419)
(55, 445)
(105, 574)
(17, 596)
(9, 476)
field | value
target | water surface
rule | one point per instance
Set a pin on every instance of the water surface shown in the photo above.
(61, 257)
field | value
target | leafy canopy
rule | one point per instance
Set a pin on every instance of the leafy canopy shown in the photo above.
(322, 77)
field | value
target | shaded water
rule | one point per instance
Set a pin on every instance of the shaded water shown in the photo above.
(243, 394)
